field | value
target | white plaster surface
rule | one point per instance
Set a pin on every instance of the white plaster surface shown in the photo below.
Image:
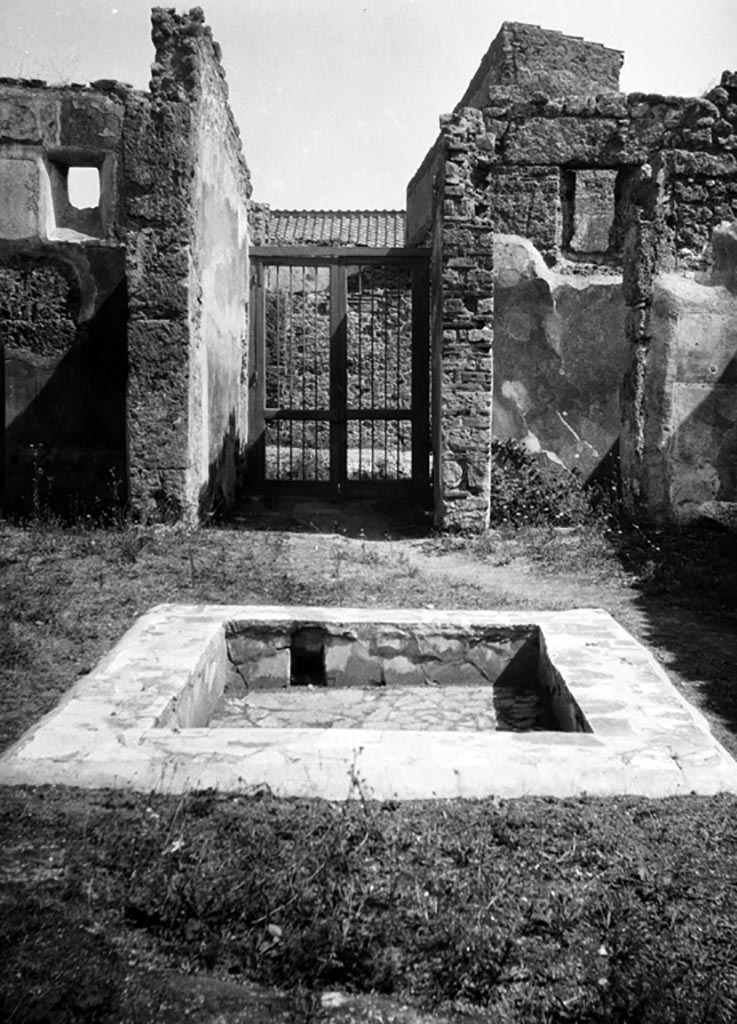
(117, 726)
(19, 197)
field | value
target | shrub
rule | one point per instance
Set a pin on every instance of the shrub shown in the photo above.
(527, 490)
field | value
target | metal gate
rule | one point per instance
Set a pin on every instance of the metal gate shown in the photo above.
(339, 388)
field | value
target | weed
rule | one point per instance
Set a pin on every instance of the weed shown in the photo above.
(131, 542)
(526, 490)
(338, 557)
(404, 565)
(368, 553)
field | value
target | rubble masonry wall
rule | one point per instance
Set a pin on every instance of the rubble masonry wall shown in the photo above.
(589, 198)
(125, 326)
(62, 299)
(188, 277)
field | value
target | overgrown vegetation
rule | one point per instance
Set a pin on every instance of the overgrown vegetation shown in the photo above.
(531, 493)
(527, 490)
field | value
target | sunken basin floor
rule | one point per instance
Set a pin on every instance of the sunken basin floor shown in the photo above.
(517, 708)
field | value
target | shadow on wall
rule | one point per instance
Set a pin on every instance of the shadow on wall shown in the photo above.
(64, 387)
(690, 425)
(224, 475)
(703, 449)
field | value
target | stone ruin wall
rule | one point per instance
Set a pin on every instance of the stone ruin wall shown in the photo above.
(62, 296)
(680, 394)
(527, 58)
(592, 216)
(575, 228)
(186, 228)
(124, 329)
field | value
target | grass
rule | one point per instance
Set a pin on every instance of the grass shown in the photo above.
(113, 904)
(529, 910)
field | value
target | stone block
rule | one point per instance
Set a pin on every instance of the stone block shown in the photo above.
(90, 121)
(269, 672)
(612, 105)
(348, 663)
(19, 198)
(28, 118)
(244, 648)
(401, 671)
(440, 647)
(452, 474)
(593, 142)
(455, 673)
(390, 645)
(158, 351)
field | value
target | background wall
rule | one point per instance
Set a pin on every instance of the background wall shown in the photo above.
(63, 302)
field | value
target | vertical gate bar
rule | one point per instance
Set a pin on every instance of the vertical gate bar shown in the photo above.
(338, 374)
(315, 346)
(359, 403)
(277, 343)
(421, 378)
(374, 279)
(385, 339)
(289, 331)
(398, 327)
(303, 293)
(257, 378)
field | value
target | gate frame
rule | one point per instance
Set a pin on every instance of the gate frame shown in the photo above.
(339, 487)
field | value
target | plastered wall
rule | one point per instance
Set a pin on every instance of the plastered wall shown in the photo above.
(604, 320)
(124, 325)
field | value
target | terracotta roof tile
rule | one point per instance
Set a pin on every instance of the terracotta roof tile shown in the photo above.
(376, 228)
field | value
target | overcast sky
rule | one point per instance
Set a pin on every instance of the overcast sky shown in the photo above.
(338, 100)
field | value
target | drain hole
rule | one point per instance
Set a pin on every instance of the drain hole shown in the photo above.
(307, 652)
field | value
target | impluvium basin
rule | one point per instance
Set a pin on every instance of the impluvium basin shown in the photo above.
(405, 704)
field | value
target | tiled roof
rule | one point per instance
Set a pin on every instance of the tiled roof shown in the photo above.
(376, 228)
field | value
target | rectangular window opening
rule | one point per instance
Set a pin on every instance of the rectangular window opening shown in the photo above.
(83, 187)
(587, 196)
(78, 187)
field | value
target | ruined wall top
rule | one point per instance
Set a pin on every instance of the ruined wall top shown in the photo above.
(526, 58)
(178, 38)
(188, 69)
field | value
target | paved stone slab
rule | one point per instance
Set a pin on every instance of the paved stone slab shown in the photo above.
(464, 709)
(140, 720)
